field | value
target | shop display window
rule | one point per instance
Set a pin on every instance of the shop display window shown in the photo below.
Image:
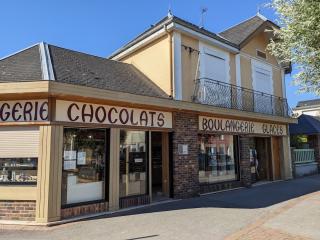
(216, 158)
(18, 170)
(84, 164)
(133, 163)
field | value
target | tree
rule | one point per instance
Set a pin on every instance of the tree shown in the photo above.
(298, 40)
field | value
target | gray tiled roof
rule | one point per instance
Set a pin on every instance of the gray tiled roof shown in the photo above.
(240, 32)
(78, 68)
(23, 66)
(233, 36)
(166, 21)
(308, 103)
(88, 70)
(306, 125)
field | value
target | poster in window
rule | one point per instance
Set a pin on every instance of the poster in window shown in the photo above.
(81, 160)
(69, 165)
(70, 155)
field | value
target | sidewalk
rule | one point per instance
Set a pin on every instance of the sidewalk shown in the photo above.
(281, 210)
(296, 219)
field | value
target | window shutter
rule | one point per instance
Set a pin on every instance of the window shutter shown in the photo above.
(19, 142)
(263, 80)
(215, 67)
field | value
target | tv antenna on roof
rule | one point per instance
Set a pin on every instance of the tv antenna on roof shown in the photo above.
(170, 10)
(258, 8)
(203, 11)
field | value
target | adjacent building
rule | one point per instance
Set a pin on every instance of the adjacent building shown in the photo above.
(307, 107)
(305, 138)
(176, 112)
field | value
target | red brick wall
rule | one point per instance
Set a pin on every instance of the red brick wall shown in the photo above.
(185, 167)
(214, 187)
(134, 201)
(84, 210)
(17, 210)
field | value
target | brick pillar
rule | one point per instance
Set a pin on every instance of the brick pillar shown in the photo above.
(185, 167)
(245, 170)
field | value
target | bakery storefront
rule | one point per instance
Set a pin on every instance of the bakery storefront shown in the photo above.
(78, 158)
(86, 153)
(61, 158)
(238, 152)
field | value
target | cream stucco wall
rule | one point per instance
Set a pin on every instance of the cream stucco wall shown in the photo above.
(233, 69)
(154, 61)
(246, 74)
(259, 42)
(248, 52)
(189, 62)
(277, 82)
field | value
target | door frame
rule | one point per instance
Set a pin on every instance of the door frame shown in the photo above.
(166, 153)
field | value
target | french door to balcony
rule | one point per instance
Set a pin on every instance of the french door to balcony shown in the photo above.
(214, 68)
(263, 85)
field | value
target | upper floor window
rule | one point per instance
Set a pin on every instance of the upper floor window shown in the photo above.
(214, 64)
(262, 83)
(214, 77)
(261, 54)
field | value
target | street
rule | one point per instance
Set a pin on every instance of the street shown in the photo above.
(280, 210)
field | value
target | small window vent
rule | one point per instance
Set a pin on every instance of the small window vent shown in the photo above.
(261, 54)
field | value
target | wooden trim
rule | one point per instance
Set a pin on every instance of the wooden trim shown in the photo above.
(18, 193)
(95, 125)
(68, 91)
(165, 164)
(24, 88)
(49, 174)
(114, 169)
(51, 109)
(276, 159)
(150, 165)
(24, 123)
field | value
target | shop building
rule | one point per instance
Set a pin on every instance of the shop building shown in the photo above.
(307, 107)
(177, 112)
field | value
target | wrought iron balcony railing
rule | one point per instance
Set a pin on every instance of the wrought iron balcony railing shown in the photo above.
(220, 94)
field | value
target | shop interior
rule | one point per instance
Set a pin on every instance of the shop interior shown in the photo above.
(159, 166)
(261, 160)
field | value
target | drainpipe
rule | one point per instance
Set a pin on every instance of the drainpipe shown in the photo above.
(170, 59)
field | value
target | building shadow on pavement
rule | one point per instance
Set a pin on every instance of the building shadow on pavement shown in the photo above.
(246, 198)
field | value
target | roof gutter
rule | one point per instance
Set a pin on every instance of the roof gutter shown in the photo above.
(159, 33)
(165, 28)
(203, 37)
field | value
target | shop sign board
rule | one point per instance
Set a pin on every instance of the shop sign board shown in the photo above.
(213, 124)
(79, 112)
(24, 111)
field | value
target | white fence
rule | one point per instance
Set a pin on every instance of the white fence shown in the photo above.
(303, 156)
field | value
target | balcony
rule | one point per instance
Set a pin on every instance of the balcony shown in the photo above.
(220, 94)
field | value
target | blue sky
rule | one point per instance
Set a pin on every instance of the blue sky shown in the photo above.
(99, 27)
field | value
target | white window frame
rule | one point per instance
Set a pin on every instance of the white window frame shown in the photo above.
(259, 50)
(177, 66)
(258, 64)
(205, 48)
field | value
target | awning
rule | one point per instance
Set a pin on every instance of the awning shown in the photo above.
(307, 125)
